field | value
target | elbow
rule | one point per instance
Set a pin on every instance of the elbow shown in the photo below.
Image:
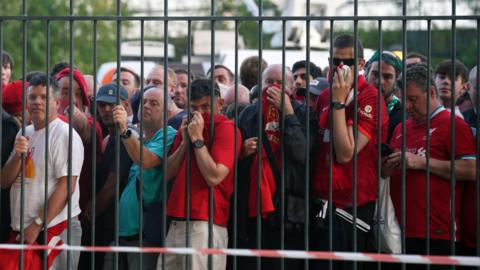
(343, 159)
(214, 180)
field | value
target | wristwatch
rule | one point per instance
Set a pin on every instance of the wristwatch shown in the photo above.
(38, 221)
(126, 134)
(198, 144)
(338, 105)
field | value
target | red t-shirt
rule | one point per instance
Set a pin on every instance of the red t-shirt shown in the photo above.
(342, 180)
(439, 187)
(222, 151)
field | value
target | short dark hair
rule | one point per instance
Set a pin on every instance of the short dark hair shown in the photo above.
(230, 73)
(39, 79)
(422, 57)
(445, 68)
(183, 71)
(315, 71)
(7, 59)
(57, 68)
(32, 74)
(420, 75)
(249, 71)
(200, 88)
(348, 41)
(135, 75)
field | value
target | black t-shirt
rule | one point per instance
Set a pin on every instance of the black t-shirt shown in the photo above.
(176, 120)
(108, 165)
(9, 132)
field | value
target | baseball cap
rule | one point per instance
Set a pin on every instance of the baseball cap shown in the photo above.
(317, 85)
(108, 93)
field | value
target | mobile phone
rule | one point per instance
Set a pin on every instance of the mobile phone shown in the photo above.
(385, 150)
(345, 69)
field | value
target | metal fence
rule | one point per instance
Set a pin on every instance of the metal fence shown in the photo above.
(213, 19)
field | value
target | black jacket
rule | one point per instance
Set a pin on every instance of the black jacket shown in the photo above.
(295, 148)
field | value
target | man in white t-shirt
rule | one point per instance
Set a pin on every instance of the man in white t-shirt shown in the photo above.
(32, 144)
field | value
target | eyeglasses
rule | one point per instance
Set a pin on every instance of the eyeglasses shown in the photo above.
(347, 62)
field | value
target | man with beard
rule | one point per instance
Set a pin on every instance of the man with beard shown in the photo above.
(390, 69)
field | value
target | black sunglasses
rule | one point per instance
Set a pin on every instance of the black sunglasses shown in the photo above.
(347, 62)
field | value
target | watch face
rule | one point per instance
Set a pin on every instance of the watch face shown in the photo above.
(198, 143)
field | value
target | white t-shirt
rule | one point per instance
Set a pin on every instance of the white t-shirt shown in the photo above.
(34, 184)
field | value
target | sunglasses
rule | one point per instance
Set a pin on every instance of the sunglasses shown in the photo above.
(347, 62)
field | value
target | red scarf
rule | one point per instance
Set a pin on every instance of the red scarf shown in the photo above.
(270, 123)
(33, 259)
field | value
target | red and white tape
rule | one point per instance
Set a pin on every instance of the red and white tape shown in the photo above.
(290, 254)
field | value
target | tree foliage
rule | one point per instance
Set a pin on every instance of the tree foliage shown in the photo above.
(59, 37)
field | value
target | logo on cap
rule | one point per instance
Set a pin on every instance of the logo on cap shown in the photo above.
(110, 92)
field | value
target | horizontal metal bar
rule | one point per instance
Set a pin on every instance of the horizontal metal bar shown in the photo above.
(240, 18)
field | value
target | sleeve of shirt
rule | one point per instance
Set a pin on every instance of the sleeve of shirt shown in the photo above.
(366, 115)
(464, 142)
(9, 133)
(156, 146)
(176, 142)
(60, 154)
(223, 148)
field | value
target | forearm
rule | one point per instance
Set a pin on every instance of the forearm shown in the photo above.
(58, 199)
(342, 139)
(174, 161)
(464, 169)
(132, 145)
(211, 172)
(83, 129)
(10, 171)
(104, 198)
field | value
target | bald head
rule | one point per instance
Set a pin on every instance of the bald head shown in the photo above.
(89, 80)
(243, 95)
(273, 75)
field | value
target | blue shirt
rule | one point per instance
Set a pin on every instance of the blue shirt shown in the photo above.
(152, 185)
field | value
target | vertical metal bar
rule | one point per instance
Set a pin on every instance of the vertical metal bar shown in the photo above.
(1, 111)
(355, 132)
(330, 160)
(117, 137)
(235, 175)
(452, 136)
(404, 126)
(70, 137)
(140, 166)
(24, 103)
(477, 121)
(259, 135)
(47, 110)
(427, 158)
(212, 130)
(94, 142)
(188, 154)
(282, 151)
(307, 138)
(379, 131)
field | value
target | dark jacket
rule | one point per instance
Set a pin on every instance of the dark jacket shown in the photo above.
(294, 148)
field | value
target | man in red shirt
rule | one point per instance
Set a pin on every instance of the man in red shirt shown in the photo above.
(417, 78)
(212, 158)
(341, 131)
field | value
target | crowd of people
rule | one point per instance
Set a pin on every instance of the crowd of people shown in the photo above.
(243, 153)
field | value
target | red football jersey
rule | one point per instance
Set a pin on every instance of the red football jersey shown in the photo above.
(440, 194)
(222, 151)
(368, 125)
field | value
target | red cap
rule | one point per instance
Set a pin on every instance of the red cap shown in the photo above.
(12, 96)
(78, 77)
